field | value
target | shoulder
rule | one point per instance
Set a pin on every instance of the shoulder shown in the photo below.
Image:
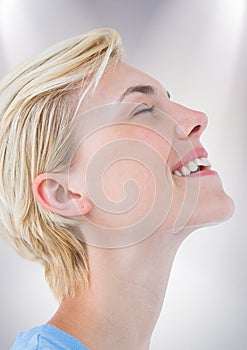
(33, 343)
(46, 337)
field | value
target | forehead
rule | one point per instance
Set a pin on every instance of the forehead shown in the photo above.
(115, 82)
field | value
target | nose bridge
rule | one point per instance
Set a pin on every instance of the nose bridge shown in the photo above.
(190, 122)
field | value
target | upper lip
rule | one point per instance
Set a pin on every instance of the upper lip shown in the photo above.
(198, 152)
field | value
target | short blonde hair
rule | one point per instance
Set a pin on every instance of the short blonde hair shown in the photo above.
(36, 117)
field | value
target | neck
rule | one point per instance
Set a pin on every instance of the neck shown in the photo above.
(121, 306)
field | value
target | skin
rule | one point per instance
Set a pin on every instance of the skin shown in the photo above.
(120, 308)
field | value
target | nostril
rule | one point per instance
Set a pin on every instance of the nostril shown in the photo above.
(195, 129)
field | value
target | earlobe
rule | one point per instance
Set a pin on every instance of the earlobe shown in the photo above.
(51, 191)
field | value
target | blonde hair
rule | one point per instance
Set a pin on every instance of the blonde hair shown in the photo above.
(36, 118)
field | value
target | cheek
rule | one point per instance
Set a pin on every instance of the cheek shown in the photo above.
(128, 178)
(136, 191)
(130, 182)
(159, 142)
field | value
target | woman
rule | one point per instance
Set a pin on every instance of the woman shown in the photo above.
(102, 178)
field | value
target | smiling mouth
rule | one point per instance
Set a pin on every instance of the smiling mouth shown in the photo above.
(193, 166)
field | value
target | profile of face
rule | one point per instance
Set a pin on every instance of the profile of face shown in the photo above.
(140, 164)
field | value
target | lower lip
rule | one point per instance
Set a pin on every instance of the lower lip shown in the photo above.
(203, 173)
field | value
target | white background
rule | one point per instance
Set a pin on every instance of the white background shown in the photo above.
(198, 50)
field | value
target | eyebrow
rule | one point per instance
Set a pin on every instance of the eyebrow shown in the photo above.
(143, 89)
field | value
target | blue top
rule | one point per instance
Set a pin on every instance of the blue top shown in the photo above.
(46, 337)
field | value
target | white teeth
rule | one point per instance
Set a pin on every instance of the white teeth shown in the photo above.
(206, 162)
(192, 166)
(202, 161)
(185, 171)
(198, 161)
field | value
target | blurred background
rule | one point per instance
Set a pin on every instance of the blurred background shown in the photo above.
(198, 50)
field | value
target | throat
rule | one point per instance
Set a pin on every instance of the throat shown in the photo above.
(124, 298)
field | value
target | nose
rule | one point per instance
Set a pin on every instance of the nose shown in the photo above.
(190, 123)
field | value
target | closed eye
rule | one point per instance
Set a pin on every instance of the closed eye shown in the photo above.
(144, 110)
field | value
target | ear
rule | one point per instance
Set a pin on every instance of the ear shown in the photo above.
(52, 192)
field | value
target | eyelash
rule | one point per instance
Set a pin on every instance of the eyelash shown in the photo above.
(144, 110)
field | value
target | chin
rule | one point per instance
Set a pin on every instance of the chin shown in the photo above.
(212, 211)
(209, 206)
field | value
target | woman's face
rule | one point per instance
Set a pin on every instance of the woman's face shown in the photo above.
(141, 162)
